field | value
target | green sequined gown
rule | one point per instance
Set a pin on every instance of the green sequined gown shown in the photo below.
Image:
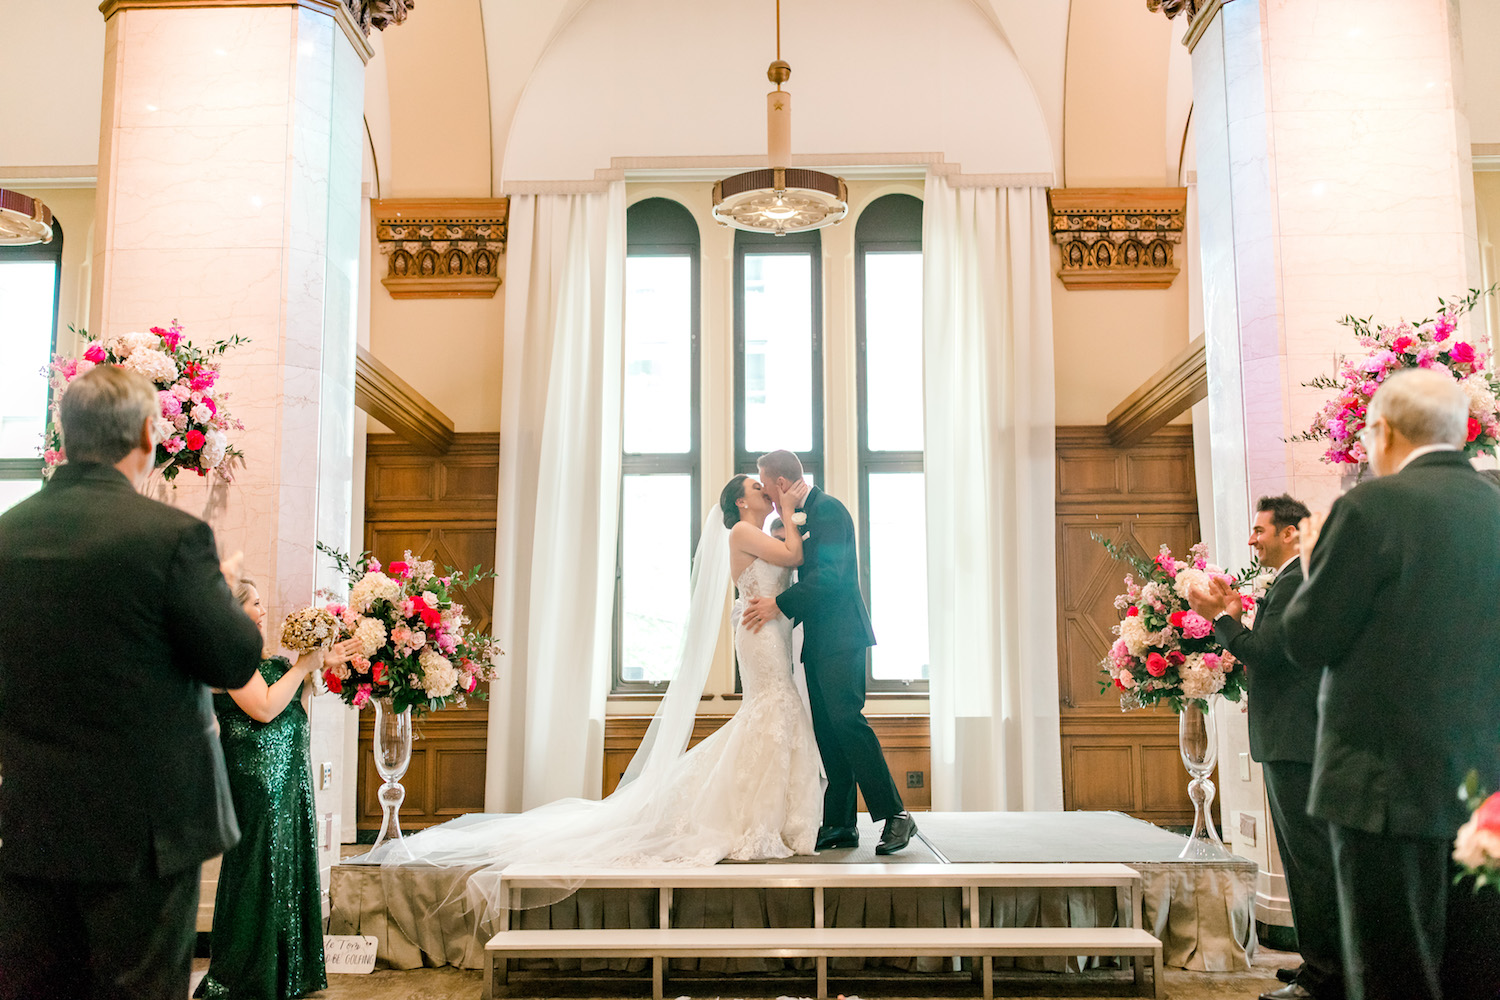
(268, 927)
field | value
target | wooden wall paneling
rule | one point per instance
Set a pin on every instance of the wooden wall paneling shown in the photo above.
(906, 740)
(1141, 496)
(443, 508)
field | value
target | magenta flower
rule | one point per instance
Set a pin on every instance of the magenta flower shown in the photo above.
(1461, 353)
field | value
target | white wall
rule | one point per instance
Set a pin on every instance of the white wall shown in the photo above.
(686, 78)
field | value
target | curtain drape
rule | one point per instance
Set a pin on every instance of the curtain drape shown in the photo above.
(559, 496)
(992, 588)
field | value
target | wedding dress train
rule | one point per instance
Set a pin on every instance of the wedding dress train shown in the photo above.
(750, 791)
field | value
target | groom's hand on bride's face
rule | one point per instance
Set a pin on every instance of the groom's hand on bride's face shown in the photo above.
(759, 611)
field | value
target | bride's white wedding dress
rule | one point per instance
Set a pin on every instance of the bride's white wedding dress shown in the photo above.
(750, 791)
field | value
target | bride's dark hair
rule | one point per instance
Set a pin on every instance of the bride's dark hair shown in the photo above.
(733, 490)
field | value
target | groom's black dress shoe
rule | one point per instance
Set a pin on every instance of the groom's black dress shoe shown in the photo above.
(1290, 975)
(832, 838)
(897, 833)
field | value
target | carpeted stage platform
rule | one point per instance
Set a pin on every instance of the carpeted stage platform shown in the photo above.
(1203, 912)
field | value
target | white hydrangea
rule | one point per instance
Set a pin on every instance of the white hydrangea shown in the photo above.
(372, 588)
(1198, 679)
(1189, 578)
(1481, 399)
(440, 677)
(153, 364)
(215, 445)
(127, 344)
(1134, 634)
(370, 634)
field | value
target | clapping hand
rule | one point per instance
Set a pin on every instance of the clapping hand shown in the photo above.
(342, 652)
(232, 568)
(1215, 599)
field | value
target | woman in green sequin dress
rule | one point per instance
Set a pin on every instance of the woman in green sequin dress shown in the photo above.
(267, 941)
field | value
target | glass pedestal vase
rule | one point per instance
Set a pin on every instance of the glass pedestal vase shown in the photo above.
(392, 756)
(1198, 741)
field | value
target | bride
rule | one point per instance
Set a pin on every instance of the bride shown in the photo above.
(750, 791)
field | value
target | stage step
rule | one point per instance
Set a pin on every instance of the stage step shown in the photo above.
(823, 943)
(819, 942)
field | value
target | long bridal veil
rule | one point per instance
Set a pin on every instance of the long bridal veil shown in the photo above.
(637, 824)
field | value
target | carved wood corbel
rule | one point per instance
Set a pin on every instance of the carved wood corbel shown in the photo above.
(1118, 237)
(441, 248)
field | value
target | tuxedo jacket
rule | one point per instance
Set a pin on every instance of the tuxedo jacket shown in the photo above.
(1283, 696)
(1402, 604)
(826, 598)
(114, 622)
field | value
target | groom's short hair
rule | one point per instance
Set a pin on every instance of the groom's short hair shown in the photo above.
(780, 464)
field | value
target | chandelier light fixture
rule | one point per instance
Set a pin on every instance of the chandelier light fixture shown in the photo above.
(780, 199)
(23, 220)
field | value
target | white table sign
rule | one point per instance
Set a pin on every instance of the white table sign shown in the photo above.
(349, 953)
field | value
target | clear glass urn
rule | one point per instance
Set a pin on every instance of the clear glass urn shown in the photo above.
(392, 756)
(1198, 741)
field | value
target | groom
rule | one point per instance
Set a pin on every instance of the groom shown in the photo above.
(836, 633)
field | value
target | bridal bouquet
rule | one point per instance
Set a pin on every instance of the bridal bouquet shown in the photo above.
(1429, 343)
(414, 644)
(1166, 651)
(1477, 847)
(193, 425)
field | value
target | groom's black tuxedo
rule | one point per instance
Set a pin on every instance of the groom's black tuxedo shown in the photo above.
(1283, 705)
(114, 619)
(1402, 604)
(835, 634)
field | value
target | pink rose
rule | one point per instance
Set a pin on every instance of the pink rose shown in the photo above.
(362, 696)
(1474, 428)
(1156, 664)
(194, 440)
(1461, 353)
(398, 570)
(95, 353)
(1132, 611)
(377, 672)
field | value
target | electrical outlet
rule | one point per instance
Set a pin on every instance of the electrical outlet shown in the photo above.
(327, 770)
(915, 779)
(1244, 767)
(1247, 829)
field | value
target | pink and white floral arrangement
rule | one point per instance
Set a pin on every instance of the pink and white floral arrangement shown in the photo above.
(414, 644)
(1166, 651)
(193, 428)
(1477, 846)
(1434, 343)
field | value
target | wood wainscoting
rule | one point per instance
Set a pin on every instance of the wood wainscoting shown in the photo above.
(1142, 495)
(906, 740)
(442, 508)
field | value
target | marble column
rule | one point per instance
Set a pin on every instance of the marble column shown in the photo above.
(229, 198)
(1334, 178)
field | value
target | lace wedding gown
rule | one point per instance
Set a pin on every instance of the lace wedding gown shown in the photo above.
(750, 791)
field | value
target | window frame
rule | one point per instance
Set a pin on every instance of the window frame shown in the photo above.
(662, 227)
(889, 229)
(14, 469)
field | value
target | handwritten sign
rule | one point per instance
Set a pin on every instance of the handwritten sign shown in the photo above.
(349, 953)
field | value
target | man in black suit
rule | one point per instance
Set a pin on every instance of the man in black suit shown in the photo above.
(1402, 605)
(114, 616)
(835, 635)
(1283, 704)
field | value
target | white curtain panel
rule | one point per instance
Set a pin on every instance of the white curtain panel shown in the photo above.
(992, 586)
(559, 496)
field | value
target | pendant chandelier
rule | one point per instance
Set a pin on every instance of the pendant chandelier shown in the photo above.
(780, 199)
(23, 220)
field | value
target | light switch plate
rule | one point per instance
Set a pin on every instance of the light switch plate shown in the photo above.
(1244, 767)
(327, 776)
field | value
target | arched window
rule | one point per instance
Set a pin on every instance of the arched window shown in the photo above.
(778, 348)
(30, 277)
(660, 465)
(888, 332)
